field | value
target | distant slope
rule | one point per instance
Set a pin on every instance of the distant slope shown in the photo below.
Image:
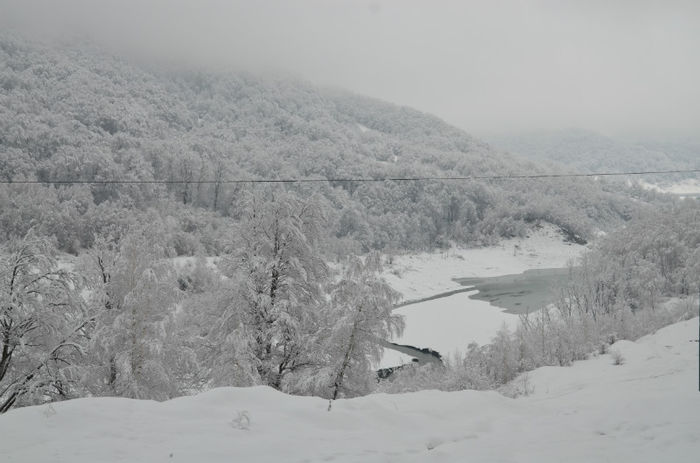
(586, 151)
(77, 113)
(644, 410)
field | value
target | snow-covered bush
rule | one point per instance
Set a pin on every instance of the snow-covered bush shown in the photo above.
(618, 358)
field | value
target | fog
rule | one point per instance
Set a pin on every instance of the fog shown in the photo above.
(620, 67)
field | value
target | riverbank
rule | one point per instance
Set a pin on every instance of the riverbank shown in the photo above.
(444, 315)
(418, 276)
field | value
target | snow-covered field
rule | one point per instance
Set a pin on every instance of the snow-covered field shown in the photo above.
(645, 410)
(449, 324)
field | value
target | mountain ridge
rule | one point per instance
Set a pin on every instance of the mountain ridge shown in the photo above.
(81, 113)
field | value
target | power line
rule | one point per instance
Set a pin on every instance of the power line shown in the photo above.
(339, 180)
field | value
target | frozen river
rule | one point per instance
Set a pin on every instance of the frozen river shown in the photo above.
(450, 321)
(520, 293)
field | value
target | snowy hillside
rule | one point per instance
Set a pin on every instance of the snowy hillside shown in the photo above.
(96, 116)
(647, 409)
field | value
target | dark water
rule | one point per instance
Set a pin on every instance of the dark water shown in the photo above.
(519, 293)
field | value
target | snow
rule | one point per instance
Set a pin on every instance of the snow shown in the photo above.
(448, 325)
(687, 187)
(421, 275)
(66, 262)
(646, 410)
(391, 358)
(190, 262)
(363, 128)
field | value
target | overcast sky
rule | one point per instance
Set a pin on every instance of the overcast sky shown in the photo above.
(614, 66)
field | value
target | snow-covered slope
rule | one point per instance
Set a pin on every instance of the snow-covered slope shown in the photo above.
(647, 409)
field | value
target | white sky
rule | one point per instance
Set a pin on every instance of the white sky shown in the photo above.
(616, 66)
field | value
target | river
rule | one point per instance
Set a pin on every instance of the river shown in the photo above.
(451, 320)
(520, 293)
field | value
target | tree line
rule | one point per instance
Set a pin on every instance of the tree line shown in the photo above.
(124, 321)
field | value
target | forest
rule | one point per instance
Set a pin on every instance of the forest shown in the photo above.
(75, 113)
(140, 259)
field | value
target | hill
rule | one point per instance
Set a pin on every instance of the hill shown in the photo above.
(77, 113)
(587, 151)
(644, 409)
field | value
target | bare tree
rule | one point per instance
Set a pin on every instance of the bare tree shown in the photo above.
(362, 316)
(281, 271)
(42, 324)
(132, 288)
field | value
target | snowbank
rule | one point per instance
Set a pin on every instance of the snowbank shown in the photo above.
(647, 409)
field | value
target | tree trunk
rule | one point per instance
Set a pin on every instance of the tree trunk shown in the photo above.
(346, 360)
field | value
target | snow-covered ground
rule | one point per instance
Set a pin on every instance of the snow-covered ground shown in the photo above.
(449, 324)
(421, 275)
(687, 187)
(645, 410)
(363, 128)
(190, 262)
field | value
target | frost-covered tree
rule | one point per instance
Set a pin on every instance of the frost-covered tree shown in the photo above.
(281, 272)
(203, 331)
(42, 324)
(361, 305)
(86, 115)
(133, 289)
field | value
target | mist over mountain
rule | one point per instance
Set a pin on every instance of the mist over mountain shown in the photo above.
(586, 151)
(77, 113)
